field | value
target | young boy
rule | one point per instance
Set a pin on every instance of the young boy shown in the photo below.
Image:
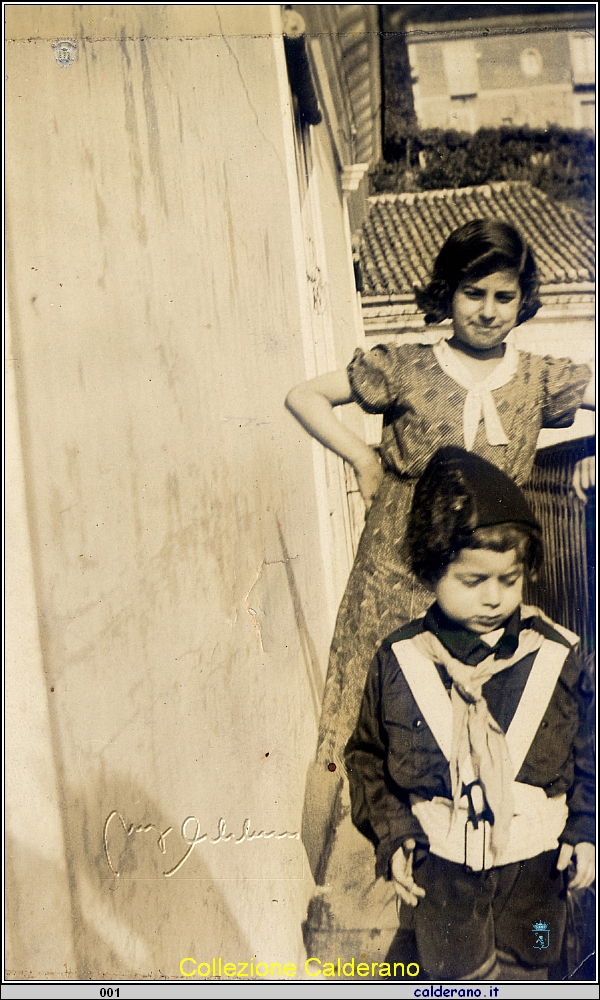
(470, 767)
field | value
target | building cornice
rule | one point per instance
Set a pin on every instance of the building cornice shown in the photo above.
(445, 31)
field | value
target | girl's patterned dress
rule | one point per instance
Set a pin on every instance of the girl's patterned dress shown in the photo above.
(423, 411)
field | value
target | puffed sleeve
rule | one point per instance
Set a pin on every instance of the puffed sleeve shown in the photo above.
(376, 377)
(563, 388)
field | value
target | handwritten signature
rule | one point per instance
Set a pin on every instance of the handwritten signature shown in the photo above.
(190, 833)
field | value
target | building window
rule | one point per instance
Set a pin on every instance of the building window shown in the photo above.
(583, 61)
(462, 72)
(531, 62)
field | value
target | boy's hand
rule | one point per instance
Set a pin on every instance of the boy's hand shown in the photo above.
(404, 883)
(584, 861)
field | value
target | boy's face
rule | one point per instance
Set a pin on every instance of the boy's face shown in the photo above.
(481, 589)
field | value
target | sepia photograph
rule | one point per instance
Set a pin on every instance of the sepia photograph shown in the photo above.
(300, 497)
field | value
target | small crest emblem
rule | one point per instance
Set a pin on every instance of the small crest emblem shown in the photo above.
(541, 932)
(65, 51)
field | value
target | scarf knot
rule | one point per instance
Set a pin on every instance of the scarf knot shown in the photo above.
(479, 398)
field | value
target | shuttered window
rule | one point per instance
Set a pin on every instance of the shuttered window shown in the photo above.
(460, 65)
(583, 60)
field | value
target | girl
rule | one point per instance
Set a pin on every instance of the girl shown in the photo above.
(474, 391)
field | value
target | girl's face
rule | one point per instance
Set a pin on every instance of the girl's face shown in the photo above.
(485, 311)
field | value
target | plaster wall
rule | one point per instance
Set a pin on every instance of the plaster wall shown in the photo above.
(159, 319)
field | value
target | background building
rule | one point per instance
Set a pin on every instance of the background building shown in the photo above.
(525, 65)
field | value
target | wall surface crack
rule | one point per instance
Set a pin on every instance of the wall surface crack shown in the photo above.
(248, 98)
(253, 612)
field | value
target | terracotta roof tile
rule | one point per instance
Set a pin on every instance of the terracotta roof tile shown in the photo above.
(404, 232)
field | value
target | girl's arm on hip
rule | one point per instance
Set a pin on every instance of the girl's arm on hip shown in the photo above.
(312, 404)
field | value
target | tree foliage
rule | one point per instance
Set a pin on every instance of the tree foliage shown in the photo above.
(561, 162)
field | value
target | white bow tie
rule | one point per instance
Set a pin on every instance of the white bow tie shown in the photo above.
(479, 394)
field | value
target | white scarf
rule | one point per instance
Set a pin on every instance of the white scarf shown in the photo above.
(479, 747)
(479, 394)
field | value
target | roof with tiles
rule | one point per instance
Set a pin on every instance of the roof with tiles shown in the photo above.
(404, 232)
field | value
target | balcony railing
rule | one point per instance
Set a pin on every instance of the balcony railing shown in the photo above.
(565, 589)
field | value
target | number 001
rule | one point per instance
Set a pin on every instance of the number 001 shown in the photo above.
(109, 992)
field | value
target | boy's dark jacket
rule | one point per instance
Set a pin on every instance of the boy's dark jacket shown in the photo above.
(393, 753)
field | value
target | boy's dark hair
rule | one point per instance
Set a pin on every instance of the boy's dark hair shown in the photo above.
(474, 251)
(444, 519)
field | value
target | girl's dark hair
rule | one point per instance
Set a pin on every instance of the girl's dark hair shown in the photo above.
(443, 521)
(472, 252)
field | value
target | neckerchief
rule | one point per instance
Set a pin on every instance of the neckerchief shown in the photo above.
(479, 749)
(479, 394)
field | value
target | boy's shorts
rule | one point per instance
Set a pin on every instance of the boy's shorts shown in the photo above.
(467, 919)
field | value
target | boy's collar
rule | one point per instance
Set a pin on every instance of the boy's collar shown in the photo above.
(467, 646)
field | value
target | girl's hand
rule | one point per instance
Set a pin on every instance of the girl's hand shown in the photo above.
(584, 861)
(404, 883)
(584, 477)
(369, 474)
